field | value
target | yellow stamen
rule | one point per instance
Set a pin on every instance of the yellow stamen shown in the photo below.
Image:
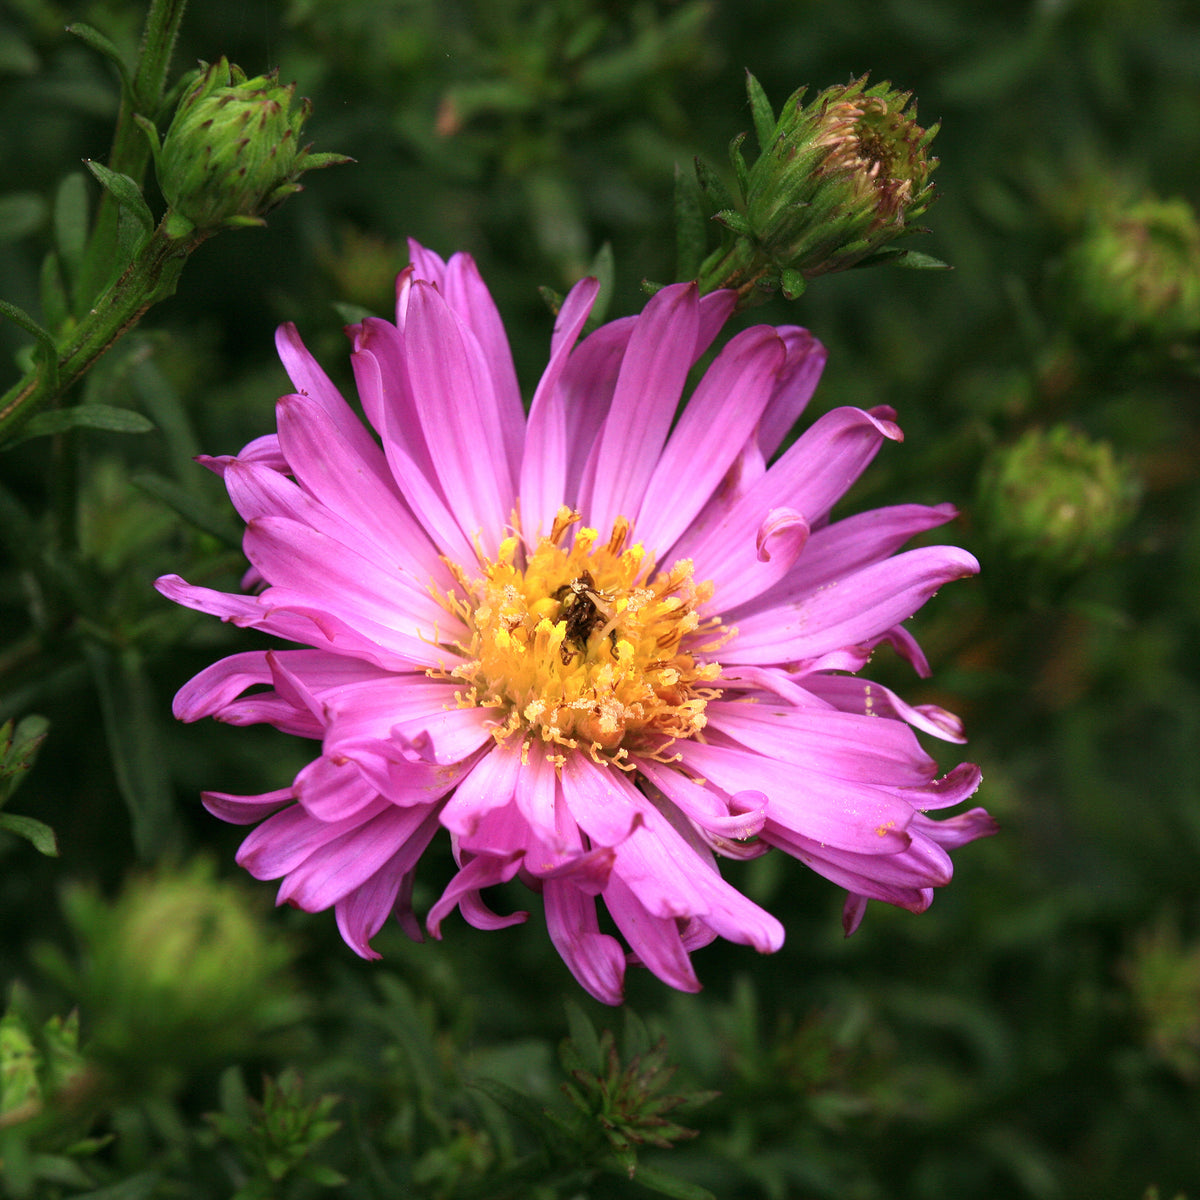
(585, 645)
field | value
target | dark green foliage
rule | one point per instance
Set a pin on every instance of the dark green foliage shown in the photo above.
(1034, 1035)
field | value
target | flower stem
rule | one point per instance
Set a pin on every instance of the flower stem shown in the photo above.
(130, 150)
(151, 276)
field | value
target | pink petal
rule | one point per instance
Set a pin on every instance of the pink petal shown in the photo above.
(544, 465)
(360, 491)
(718, 419)
(594, 958)
(827, 742)
(343, 863)
(850, 816)
(857, 608)
(461, 416)
(794, 388)
(648, 390)
(245, 810)
(483, 871)
(808, 479)
(361, 913)
(490, 784)
(654, 940)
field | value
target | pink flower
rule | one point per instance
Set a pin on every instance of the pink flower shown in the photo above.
(598, 646)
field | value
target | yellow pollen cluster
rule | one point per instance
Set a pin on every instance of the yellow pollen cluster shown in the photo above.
(585, 645)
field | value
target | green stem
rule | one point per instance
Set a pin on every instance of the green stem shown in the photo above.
(149, 278)
(739, 267)
(130, 150)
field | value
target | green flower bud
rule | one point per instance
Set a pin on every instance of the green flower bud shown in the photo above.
(1134, 275)
(840, 178)
(233, 150)
(837, 181)
(180, 969)
(1056, 499)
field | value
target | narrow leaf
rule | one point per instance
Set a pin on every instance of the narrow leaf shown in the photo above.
(132, 725)
(42, 837)
(670, 1185)
(760, 110)
(733, 221)
(740, 170)
(914, 260)
(18, 316)
(691, 229)
(84, 416)
(20, 213)
(713, 186)
(124, 190)
(604, 268)
(19, 750)
(191, 507)
(55, 306)
(161, 401)
(71, 223)
(98, 42)
(584, 1037)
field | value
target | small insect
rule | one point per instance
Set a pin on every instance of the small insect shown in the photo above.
(586, 609)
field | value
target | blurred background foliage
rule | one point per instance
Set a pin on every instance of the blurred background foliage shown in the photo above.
(1036, 1034)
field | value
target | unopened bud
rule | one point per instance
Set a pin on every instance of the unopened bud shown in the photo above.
(1134, 275)
(1056, 498)
(179, 969)
(233, 150)
(842, 177)
(837, 181)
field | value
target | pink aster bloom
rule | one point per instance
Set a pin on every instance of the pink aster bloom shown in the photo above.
(598, 646)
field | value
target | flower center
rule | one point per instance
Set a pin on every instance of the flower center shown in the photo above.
(587, 646)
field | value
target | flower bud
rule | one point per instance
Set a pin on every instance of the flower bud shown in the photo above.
(1134, 275)
(233, 150)
(178, 970)
(840, 178)
(1056, 498)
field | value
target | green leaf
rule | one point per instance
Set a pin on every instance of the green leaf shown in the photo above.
(124, 191)
(20, 213)
(191, 507)
(713, 186)
(604, 268)
(760, 110)
(84, 416)
(47, 350)
(44, 839)
(584, 1037)
(733, 221)
(132, 725)
(527, 1111)
(56, 307)
(71, 224)
(691, 229)
(915, 260)
(670, 1185)
(98, 42)
(740, 170)
(19, 750)
(18, 316)
(137, 1187)
(161, 401)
